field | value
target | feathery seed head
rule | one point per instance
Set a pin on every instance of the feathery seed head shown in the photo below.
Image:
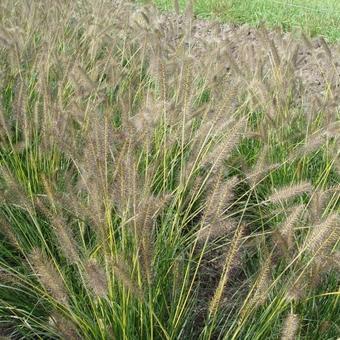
(323, 235)
(96, 278)
(289, 192)
(51, 279)
(290, 327)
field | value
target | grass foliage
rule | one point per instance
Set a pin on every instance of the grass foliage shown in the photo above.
(315, 17)
(150, 194)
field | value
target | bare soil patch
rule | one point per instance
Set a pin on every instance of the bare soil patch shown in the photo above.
(310, 66)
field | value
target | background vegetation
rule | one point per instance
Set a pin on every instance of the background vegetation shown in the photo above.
(317, 18)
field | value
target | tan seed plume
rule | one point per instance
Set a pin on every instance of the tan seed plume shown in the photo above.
(49, 277)
(290, 327)
(289, 192)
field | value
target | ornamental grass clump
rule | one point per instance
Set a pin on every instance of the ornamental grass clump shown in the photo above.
(148, 189)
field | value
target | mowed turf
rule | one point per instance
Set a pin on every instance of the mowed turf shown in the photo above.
(317, 18)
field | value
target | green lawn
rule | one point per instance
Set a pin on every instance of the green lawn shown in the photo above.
(314, 16)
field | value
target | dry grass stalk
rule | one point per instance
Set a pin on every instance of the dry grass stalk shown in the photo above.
(229, 262)
(221, 151)
(49, 277)
(323, 235)
(221, 227)
(261, 168)
(262, 283)
(5, 135)
(66, 240)
(219, 198)
(258, 174)
(187, 85)
(120, 271)
(261, 288)
(326, 48)
(269, 43)
(176, 6)
(64, 327)
(310, 278)
(289, 192)
(318, 204)
(7, 230)
(232, 62)
(63, 232)
(9, 278)
(332, 261)
(311, 145)
(147, 211)
(82, 81)
(144, 232)
(189, 10)
(290, 327)
(14, 192)
(307, 41)
(162, 82)
(299, 288)
(127, 182)
(287, 228)
(95, 277)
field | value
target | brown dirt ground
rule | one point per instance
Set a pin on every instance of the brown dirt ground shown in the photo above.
(315, 65)
(318, 65)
